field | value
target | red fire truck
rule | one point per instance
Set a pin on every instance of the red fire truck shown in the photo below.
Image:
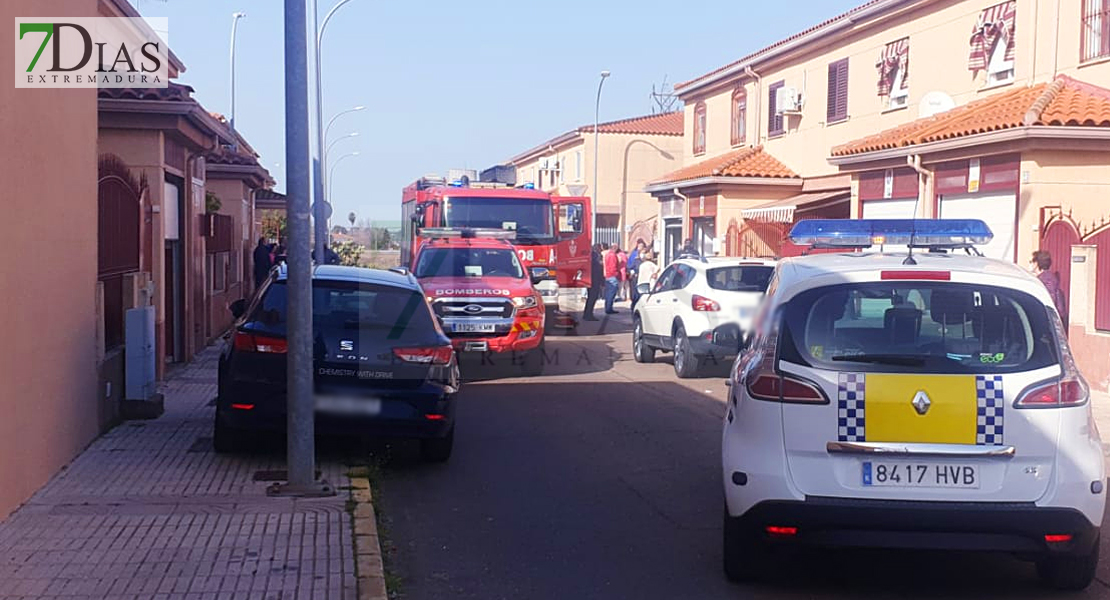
(551, 232)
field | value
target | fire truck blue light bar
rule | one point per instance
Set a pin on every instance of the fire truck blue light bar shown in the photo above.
(864, 233)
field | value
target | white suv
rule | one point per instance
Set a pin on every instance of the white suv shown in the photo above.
(699, 309)
(921, 402)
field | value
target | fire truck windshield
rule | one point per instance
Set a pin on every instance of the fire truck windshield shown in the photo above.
(468, 262)
(531, 219)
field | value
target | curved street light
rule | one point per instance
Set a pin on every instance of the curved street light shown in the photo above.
(321, 223)
(597, 112)
(332, 145)
(336, 164)
(234, 28)
(340, 114)
(624, 184)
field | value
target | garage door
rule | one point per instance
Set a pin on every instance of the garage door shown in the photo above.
(999, 211)
(890, 209)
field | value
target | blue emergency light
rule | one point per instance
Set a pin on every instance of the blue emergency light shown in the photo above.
(915, 233)
(528, 186)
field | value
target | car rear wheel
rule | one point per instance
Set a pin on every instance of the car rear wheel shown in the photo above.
(438, 449)
(640, 350)
(743, 553)
(1072, 572)
(685, 363)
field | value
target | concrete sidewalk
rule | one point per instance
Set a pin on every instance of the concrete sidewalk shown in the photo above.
(148, 511)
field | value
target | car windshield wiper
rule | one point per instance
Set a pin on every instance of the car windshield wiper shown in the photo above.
(906, 360)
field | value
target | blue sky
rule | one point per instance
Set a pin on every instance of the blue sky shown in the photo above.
(462, 84)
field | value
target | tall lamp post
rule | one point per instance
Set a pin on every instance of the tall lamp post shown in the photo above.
(624, 181)
(324, 156)
(321, 228)
(234, 29)
(331, 172)
(597, 113)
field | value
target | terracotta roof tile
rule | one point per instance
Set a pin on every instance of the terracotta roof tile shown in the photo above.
(175, 92)
(745, 162)
(660, 124)
(1063, 102)
(227, 157)
(753, 55)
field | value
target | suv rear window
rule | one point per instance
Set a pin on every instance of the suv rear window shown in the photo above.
(740, 278)
(932, 327)
(337, 304)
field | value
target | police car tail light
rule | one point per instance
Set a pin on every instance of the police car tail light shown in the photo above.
(429, 355)
(916, 275)
(1069, 389)
(764, 382)
(247, 342)
(703, 304)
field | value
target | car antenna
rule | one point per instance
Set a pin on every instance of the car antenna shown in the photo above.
(913, 234)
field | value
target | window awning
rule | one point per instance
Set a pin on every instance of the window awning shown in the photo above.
(782, 211)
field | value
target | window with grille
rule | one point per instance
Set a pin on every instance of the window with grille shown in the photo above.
(776, 124)
(1096, 29)
(838, 91)
(739, 116)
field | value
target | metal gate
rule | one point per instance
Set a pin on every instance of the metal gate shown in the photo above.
(118, 200)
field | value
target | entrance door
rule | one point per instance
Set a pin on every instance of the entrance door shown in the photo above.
(173, 272)
(672, 241)
(998, 210)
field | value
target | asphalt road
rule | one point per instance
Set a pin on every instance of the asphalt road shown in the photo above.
(601, 480)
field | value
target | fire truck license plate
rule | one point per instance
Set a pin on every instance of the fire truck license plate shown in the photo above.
(472, 327)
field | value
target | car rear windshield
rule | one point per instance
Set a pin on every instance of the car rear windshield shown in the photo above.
(740, 278)
(468, 262)
(933, 327)
(342, 304)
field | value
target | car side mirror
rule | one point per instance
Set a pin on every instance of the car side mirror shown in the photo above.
(643, 288)
(238, 308)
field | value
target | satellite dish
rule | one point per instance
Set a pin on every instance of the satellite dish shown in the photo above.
(935, 103)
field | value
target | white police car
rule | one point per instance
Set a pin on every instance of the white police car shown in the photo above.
(925, 398)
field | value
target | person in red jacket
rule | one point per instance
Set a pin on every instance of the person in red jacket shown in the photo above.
(612, 278)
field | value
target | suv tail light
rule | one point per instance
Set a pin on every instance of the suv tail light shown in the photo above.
(763, 382)
(703, 304)
(249, 342)
(429, 355)
(1068, 390)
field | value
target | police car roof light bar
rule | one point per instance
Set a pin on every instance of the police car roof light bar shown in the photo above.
(914, 233)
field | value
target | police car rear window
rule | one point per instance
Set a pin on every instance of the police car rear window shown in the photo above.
(932, 327)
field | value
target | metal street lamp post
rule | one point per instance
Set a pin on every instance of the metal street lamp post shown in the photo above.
(624, 183)
(321, 220)
(597, 112)
(234, 29)
(324, 158)
(331, 172)
(340, 114)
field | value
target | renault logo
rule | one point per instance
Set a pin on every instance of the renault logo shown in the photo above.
(921, 403)
(472, 309)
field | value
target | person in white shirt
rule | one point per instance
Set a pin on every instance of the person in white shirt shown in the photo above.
(648, 269)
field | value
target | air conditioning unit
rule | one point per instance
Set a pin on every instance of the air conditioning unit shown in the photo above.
(787, 101)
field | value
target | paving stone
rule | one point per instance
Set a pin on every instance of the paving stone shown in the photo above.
(150, 511)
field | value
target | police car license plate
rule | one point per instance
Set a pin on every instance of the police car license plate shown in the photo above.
(348, 405)
(931, 475)
(473, 327)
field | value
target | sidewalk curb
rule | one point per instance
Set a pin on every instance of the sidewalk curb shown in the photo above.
(368, 552)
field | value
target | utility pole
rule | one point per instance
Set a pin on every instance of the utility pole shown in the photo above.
(300, 404)
(597, 114)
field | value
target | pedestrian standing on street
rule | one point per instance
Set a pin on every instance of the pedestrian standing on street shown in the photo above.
(597, 282)
(648, 269)
(689, 250)
(612, 278)
(634, 268)
(1042, 259)
(262, 262)
(622, 274)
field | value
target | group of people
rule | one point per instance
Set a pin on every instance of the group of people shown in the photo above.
(267, 255)
(615, 273)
